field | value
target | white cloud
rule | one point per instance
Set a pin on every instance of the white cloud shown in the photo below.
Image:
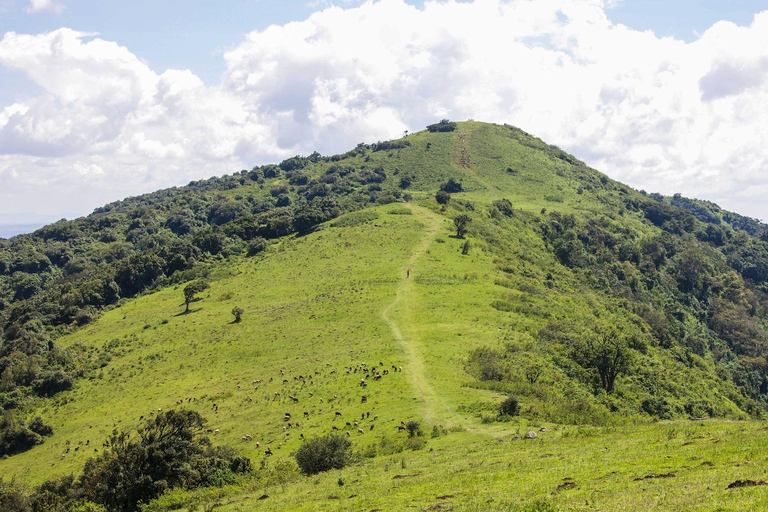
(44, 6)
(655, 112)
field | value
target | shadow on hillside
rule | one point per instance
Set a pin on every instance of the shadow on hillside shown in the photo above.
(184, 313)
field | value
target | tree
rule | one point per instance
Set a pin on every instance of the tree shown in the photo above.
(323, 454)
(461, 222)
(237, 311)
(510, 406)
(169, 452)
(451, 186)
(193, 289)
(443, 126)
(605, 352)
(442, 197)
(505, 207)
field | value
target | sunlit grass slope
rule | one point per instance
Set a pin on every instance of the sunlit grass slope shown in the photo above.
(312, 307)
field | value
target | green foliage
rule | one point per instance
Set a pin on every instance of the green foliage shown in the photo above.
(606, 352)
(168, 453)
(256, 246)
(414, 428)
(443, 126)
(461, 222)
(504, 206)
(451, 186)
(237, 312)
(323, 454)
(510, 406)
(442, 197)
(192, 289)
(40, 427)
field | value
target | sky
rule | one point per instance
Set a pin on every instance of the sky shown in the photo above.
(103, 100)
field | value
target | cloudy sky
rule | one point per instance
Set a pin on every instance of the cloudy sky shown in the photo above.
(101, 100)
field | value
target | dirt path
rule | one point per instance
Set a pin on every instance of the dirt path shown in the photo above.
(414, 361)
(434, 409)
(463, 159)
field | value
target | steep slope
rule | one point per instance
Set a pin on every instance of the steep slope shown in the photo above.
(588, 301)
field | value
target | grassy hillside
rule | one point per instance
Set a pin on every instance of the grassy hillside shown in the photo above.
(601, 309)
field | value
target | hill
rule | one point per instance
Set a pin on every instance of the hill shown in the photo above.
(364, 306)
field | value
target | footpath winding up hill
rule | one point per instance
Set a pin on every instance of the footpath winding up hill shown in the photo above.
(423, 280)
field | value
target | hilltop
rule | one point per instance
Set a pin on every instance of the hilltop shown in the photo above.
(366, 306)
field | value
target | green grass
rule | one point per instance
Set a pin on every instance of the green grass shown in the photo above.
(389, 284)
(664, 466)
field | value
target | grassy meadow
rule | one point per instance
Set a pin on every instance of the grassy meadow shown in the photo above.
(392, 288)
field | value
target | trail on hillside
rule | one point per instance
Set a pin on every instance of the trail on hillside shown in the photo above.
(435, 411)
(414, 362)
(462, 158)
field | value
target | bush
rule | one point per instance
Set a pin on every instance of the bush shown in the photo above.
(505, 207)
(51, 383)
(442, 197)
(16, 439)
(38, 426)
(413, 428)
(451, 186)
(443, 126)
(510, 406)
(323, 454)
(256, 246)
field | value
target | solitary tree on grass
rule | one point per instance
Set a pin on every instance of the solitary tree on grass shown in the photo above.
(462, 222)
(193, 289)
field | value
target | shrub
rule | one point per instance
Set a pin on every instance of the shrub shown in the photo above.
(451, 186)
(510, 406)
(413, 428)
(38, 426)
(51, 383)
(505, 207)
(237, 312)
(323, 454)
(461, 222)
(17, 439)
(443, 126)
(256, 246)
(442, 197)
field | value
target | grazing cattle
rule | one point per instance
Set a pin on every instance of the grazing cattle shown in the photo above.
(372, 427)
(376, 416)
(216, 431)
(362, 416)
(258, 444)
(338, 414)
(364, 398)
(334, 427)
(348, 434)
(400, 427)
(268, 451)
(360, 431)
(306, 414)
(349, 424)
(368, 414)
(293, 398)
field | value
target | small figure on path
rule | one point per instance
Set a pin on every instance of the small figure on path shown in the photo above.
(408, 273)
